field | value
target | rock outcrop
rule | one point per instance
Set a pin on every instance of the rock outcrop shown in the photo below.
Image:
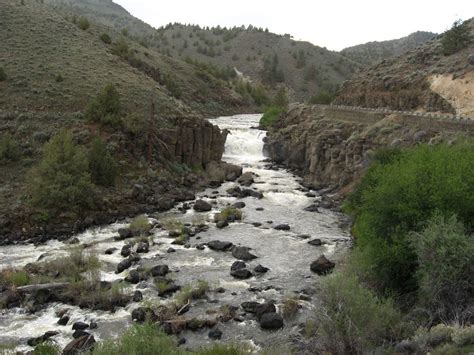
(332, 147)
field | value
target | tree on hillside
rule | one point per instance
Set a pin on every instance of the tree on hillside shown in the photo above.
(456, 38)
(271, 72)
(102, 165)
(105, 108)
(62, 181)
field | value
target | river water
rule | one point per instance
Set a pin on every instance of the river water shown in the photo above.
(287, 255)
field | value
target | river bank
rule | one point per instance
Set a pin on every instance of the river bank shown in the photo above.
(281, 239)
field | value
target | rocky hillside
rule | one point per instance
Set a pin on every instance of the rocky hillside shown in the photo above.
(426, 79)
(331, 147)
(371, 53)
(52, 66)
(255, 52)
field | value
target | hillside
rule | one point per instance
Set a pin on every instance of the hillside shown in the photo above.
(426, 79)
(56, 66)
(52, 67)
(255, 52)
(370, 53)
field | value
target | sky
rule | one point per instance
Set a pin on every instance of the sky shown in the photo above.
(335, 24)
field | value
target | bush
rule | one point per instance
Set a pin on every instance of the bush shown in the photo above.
(62, 181)
(322, 98)
(227, 212)
(456, 38)
(47, 348)
(3, 75)
(400, 196)
(121, 48)
(102, 166)
(352, 319)
(445, 275)
(270, 116)
(104, 37)
(9, 149)
(105, 108)
(83, 23)
(281, 99)
(140, 225)
(140, 340)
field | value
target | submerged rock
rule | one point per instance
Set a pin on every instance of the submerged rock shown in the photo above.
(215, 334)
(222, 224)
(271, 321)
(219, 245)
(316, 242)
(261, 269)
(241, 274)
(242, 253)
(282, 227)
(124, 265)
(311, 208)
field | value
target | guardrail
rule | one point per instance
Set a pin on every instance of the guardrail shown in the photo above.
(435, 116)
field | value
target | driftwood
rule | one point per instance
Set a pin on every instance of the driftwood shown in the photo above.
(50, 286)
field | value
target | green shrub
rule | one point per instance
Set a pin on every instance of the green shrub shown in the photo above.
(47, 348)
(322, 98)
(456, 38)
(171, 83)
(121, 48)
(62, 181)
(270, 116)
(105, 108)
(102, 165)
(194, 291)
(83, 23)
(140, 340)
(281, 99)
(290, 307)
(224, 349)
(352, 319)
(9, 149)
(140, 225)
(400, 195)
(445, 256)
(104, 37)
(3, 75)
(14, 278)
(227, 212)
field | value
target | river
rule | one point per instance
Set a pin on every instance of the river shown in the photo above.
(285, 253)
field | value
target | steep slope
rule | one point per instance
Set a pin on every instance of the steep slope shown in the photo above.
(424, 79)
(53, 65)
(305, 68)
(371, 53)
(53, 69)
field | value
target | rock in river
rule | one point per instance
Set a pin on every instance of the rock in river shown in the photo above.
(241, 274)
(242, 253)
(271, 321)
(202, 206)
(322, 266)
(282, 227)
(219, 245)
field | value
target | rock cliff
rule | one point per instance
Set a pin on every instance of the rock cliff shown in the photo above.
(328, 146)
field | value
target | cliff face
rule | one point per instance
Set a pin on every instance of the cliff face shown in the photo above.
(332, 147)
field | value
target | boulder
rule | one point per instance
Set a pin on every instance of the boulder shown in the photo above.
(124, 265)
(252, 193)
(124, 233)
(237, 265)
(239, 205)
(241, 274)
(137, 296)
(219, 245)
(322, 266)
(246, 179)
(282, 227)
(171, 250)
(202, 206)
(271, 321)
(143, 314)
(159, 270)
(80, 345)
(133, 277)
(64, 320)
(242, 253)
(263, 308)
(126, 250)
(110, 251)
(80, 326)
(79, 334)
(259, 269)
(215, 334)
(35, 341)
(143, 247)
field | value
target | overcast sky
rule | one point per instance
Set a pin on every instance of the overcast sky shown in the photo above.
(334, 24)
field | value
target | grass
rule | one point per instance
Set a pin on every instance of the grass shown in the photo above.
(14, 278)
(140, 225)
(47, 348)
(227, 212)
(290, 307)
(194, 291)
(270, 117)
